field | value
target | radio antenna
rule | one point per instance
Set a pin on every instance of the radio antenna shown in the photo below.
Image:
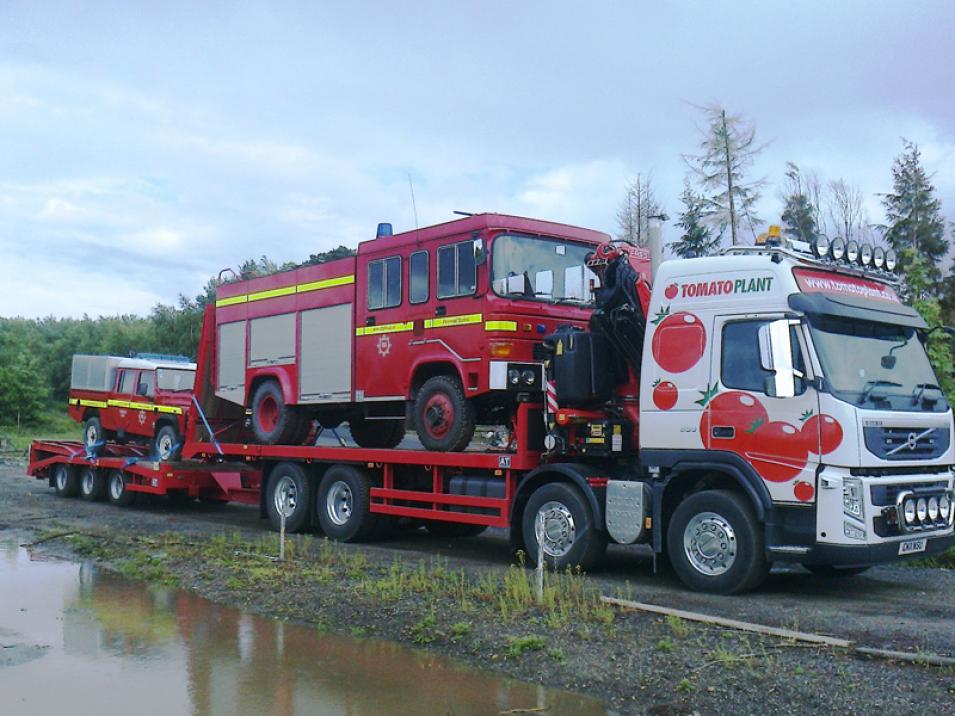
(414, 206)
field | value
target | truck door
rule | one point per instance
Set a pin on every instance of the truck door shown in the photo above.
(123, 417)
(382, 329)
(743, 413)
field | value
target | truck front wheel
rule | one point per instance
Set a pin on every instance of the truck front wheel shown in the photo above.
(273, 422)
(443, 417)
(92, 432)
(559, 516)
(167, 444)
(716, 544)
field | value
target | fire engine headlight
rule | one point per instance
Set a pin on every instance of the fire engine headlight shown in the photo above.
(852, 251)
(865, 254)
(838, 248)
(908, 511)
(820, 247)
(891, 260)
(529, 377)
(933, 508)
(514, 376)
(944, 507)
(878, 257)
(852, 503)
(921, 509)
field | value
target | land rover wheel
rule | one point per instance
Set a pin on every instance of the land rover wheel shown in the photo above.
(167, 444)
(289, 493)
(92, 432)
(117, 489)
(343, 505)
(558, 516)
(377, 433)
(65, 481)
(443, 416)
(716, 544)
(92, 484)
(273, 422)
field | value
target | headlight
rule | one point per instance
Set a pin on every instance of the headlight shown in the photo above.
(838, 248)
(921, 509)
(529, 376)
(513, 376)
(852, 497)
(933, 508)
(944, 507)
(908, 511)
(820, 247)
(865, 254)
(891, 259)
(852, 251)
(878, 257)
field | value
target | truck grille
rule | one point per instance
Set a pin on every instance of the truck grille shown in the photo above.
(906, 443)
(884, 495)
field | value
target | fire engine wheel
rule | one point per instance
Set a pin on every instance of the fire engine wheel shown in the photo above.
(343, 505)
(558, 516)
(443, 416)
(716, 544)
(92, 484)
(453, 530)
(92, 432)
(377, 433)
(289, 492)
(273, 422)
(166, 445)
(117, 490)
(829, 570)
(65, 481)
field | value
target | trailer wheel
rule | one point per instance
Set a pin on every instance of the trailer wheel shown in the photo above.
(117, 489)
(65, 481)
(570, 538)
(167, 444)
(716, 544)
(92, 432)
(385, 434)
(344, 503)
(443, 417)
(273, 422)
(92, 484)
(453, 530)
(289, 491)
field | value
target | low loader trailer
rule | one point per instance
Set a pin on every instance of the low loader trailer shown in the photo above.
(771, 404)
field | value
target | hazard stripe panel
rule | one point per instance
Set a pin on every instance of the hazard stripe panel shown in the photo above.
(448, 321)
(500, 325)
(171, 409)
(384, 328)
(286, 291)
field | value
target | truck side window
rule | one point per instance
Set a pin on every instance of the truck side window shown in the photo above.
(384, 283)
(457, 271)
(147, 384)
(419, 289)
(127, 382)
(740, 366)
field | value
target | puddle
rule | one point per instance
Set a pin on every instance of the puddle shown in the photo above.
(74, 639)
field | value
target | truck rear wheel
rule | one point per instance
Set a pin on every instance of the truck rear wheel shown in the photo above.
(273, 422)
(716, 544)
(167, 444)
(289, 491)
(65, 481)
(569, 535)
(92, 432)
(344, 505)
(117, 490)
(92, 484)
(385, 434)
(443, 417)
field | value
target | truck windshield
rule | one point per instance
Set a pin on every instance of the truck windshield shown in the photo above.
(541, 269)
(876, 365)
(175, 379)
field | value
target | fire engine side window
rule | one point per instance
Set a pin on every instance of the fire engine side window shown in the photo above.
(457, 271)
(741, 368)
(419, 289)
(147, 384)
(384, 283)
(127, 382)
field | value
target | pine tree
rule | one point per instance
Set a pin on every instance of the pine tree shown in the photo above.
(913, 214)
(728, 149)
(697, 238)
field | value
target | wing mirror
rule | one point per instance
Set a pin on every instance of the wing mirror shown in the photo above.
(775, 356)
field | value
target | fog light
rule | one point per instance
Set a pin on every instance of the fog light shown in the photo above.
(529, 376)
(820, 247)
(908, 511)
(944, 507)
(838, 248)
(513, 376)
(852, 251)
(878, 257)
(921, 509)
(865, 254)
(933, 508)
(891, 259)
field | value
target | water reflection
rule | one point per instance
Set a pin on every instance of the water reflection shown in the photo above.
(101, 644)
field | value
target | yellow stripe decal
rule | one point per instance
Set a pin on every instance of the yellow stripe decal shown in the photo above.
(384, 328)
(500, 325)
(88, 403)
(151, 407)
(449, 321)
(286, 291)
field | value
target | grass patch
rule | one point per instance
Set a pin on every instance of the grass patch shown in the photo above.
(54, 424)
(945, 560)
(520, 645)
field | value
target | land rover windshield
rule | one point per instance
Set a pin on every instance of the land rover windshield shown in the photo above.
(541, 269)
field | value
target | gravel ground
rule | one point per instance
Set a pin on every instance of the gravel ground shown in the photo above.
(634, 662)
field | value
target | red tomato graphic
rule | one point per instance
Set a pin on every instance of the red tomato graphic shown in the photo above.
(671, 291)
(778, 451)
(737, 410)
(826, 426)
(678, 342)
(803, 491)
(664, 394)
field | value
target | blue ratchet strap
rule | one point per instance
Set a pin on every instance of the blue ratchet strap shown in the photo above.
(206, 423)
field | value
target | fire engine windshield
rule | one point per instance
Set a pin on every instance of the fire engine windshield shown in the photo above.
(876, 365)
(541, 269)
(175, 379)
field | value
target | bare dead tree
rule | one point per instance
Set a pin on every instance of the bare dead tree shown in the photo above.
(638, 205)
(845, 209)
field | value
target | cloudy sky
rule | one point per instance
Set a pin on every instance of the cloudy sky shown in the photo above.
(146, 146)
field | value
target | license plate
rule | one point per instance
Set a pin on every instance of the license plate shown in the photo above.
(913, 546)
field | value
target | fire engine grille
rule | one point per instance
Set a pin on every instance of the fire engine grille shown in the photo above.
(906, 443)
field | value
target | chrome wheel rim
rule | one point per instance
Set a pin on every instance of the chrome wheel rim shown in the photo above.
(88, 479)
(91, 437)
(339, 503)
(165, 447)
(709, 542)
(555, 529)
(286, 496)
(116, 486)
(61, 479)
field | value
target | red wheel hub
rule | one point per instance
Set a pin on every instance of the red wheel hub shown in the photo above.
(438, 415)
(268, 414)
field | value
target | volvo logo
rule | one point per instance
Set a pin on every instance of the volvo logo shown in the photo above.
(912, 441)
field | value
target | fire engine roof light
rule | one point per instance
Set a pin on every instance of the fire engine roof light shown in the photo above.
(865, 254)
(852, 251)
(820, 247)
(384, 230)
(838, 248)
(891, 260)
(878, 257)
